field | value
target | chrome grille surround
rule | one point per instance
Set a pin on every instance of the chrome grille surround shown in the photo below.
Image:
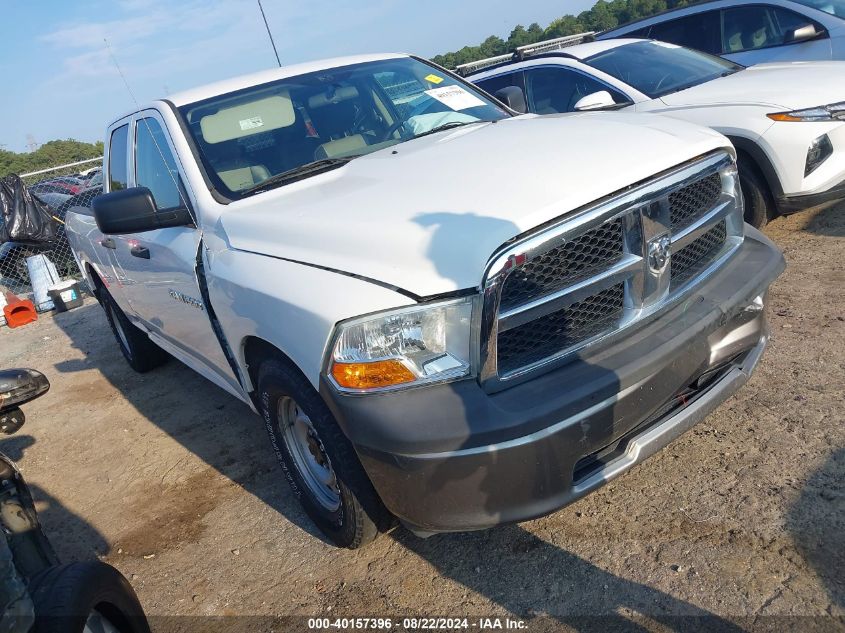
(645, 215)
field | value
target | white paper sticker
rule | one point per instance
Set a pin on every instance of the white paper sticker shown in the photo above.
(455, 97)
(67, 296)
(251, 123)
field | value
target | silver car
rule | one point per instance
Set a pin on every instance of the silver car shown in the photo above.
(750, 31)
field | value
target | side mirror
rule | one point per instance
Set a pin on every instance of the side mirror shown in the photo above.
(17, 387)
(513, 97)
(801, 34)
(595, 101)
(134, 211)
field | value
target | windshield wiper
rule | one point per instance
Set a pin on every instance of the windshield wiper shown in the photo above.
(448, 126)
(298, 173)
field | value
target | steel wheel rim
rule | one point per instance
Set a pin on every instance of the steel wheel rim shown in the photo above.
(308, 453)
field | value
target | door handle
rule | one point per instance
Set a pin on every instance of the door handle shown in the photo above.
(140, 251)
(107, 242)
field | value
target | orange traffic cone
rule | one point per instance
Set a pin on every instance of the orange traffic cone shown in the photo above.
(18, 312)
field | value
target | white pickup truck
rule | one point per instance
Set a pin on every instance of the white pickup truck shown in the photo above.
(447, 314)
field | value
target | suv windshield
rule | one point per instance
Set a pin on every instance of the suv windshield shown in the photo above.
(833, 7)
(658, 68)
(267, 135)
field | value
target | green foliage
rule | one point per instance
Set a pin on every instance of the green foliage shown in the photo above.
(50, 154)
(603, 16)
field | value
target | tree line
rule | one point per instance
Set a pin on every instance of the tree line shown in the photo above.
(603, 16)
(50, 154)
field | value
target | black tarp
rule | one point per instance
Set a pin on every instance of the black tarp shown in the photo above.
(23, 217)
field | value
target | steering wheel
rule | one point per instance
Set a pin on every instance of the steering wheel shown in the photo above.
(391, 131)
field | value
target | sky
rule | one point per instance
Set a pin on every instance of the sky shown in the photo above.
(57, 58)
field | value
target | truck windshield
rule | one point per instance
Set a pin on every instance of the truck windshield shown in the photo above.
(658, 68)
(833, 7)
(268, 135)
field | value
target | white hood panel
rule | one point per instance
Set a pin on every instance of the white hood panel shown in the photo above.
(787, 86)
(426, 215)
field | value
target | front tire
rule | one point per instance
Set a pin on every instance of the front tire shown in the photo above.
(69, 597)
(758, 199)
(137, 348)
(318, 460)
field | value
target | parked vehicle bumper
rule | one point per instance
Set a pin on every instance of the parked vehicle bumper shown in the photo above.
(823, 199)
(452, 457)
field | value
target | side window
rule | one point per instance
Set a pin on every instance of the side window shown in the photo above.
(118, 148)
(753, 27)
(493, 84)
(552, 90)
(155, 167)
(699, 31)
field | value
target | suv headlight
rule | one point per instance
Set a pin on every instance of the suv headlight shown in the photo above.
(833, 112)
(404, 348)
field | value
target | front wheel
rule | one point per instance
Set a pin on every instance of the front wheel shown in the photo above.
(85, 597)
(318, 460)
(758, 204)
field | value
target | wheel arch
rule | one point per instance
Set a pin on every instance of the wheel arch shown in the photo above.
(255, 350)
(748, 148)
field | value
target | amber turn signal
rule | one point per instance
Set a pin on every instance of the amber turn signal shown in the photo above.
(784, 116)
(382, 373)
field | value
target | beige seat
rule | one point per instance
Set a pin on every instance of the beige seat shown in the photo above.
(240, 178)
(341, 147)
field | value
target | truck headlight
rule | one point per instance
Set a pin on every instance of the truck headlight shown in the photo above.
(833, 112)
(404, 348)
(820, 150)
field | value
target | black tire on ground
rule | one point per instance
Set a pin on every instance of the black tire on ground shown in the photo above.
(66, 595)
(759, 207)
(361, 515)
(137, 348)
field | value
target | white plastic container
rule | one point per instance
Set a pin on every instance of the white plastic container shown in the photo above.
(42, 275)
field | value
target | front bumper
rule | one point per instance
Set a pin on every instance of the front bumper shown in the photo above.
(452, 457)
(793, 204)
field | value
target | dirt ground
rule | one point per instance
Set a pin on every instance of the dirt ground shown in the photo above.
(740, 522)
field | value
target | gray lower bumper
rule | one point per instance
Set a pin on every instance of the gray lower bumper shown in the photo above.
(453, 457)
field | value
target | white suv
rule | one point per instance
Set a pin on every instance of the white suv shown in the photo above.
(750, 31)
(787, 121)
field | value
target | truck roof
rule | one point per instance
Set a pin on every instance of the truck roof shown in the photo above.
(207, 91)
(264, 76)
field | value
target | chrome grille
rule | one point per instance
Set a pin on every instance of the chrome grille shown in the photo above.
(692, 259)
(563, 265)
(574, 324)
(601, 270)
(690, 202)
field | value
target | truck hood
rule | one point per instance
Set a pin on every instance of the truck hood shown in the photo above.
(426, 215)
(787, 86)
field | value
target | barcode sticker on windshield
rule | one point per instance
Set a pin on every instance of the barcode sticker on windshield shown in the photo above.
(455, 97)
(251, 123)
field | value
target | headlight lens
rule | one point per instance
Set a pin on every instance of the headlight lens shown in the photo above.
(820, 150)
(404, 348)
(831, 112)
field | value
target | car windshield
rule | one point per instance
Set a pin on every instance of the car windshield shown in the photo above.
(658, 68)
(265, 136)
(833, 7)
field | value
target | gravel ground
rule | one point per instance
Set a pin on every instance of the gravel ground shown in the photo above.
(740, 524)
